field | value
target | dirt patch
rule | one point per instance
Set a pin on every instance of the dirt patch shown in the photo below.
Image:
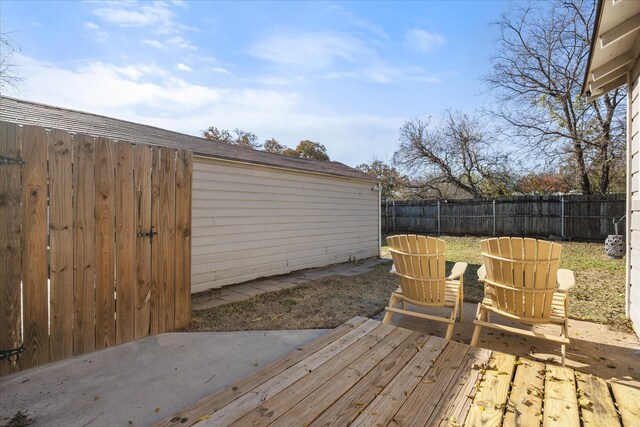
(20, 419)
(321, 303)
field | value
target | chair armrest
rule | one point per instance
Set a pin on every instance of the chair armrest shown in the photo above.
(458, 270)
(566, 280)
(393, 269)
(482, 273)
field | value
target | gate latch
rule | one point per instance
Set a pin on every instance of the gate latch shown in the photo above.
(9, 161)
(149, 233)
(5, 354)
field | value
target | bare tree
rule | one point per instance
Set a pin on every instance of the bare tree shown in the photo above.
(9, 76)
(454, 153)
(537, 77)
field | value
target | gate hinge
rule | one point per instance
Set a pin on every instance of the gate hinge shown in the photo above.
(5, 354)
(10, 161)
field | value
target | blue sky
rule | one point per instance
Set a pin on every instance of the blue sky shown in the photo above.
(345, 74)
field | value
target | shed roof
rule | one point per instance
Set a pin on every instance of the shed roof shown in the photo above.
(32, 113)
(615, 46)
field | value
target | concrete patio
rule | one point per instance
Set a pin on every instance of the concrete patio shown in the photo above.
(141, 382)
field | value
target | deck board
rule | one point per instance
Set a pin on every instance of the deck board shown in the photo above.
(322, 398)
(272, 409)
(431, 387)
(351, 404)
(596, 405)
(525, 400)
(628, 400)
(489, 403)
(392, 397)
(560, 398)
(365, 373)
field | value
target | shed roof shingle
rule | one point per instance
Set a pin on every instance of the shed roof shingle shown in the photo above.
(32, 113)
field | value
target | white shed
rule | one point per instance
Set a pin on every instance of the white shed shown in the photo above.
(614, 62)
(254, 214)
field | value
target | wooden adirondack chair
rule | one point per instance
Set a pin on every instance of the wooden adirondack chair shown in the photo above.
(520, 277)
(419, 261)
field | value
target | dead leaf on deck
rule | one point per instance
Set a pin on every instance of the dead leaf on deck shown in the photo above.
(585, 403)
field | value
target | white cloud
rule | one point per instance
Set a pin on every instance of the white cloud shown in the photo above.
(183, 67)
(91, 26)
(156, 96)
(95, 28)
(310, 50)
(133, 14)
(177, 42)
(333, 56)
(423, 41)
(154, 43)
(180, 43)
(219, 70)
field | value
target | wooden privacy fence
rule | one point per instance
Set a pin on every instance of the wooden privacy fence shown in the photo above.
(571, 217)
(96, 242)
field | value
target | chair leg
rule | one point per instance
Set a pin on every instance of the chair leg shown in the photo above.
(388, 314)
(476, 330)
(565, 334)
(461, 299)
(454, 314)
(449, 332)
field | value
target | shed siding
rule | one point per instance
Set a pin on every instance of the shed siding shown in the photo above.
(252, 221)
(633, 193)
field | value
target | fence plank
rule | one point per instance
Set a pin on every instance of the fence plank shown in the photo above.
(61, 244)
(34, 247)
(125, 243)
(105, 244)
(10, 242)
(155, 252)
(184, 167)
(142, 177)
(84, 245)
(166, 239)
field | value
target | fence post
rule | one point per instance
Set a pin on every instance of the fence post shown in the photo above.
(494, 217)
(438, 217)
(394, 215)
(386, 215)
(562, 217)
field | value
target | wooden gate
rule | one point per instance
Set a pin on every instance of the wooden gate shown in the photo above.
(95, 243)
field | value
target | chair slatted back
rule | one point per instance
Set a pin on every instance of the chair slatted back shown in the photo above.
(521, 275)
(420, 263)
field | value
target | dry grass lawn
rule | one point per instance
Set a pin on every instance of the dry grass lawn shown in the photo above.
(326, 303)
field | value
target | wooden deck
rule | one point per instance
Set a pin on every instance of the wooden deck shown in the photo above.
(365, 373)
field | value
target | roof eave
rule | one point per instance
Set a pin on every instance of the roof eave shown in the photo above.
(594, 40)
